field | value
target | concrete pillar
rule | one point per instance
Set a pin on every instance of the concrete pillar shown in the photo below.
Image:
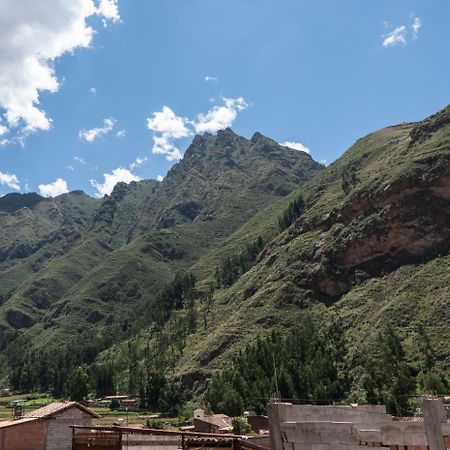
(433, 416)
(276, 439)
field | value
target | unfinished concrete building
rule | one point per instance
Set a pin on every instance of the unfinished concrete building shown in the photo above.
(309, 427)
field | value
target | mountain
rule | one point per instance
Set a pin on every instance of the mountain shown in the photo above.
(75, 269)
(371, 248)
(181, 276)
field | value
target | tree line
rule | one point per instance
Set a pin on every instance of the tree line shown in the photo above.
(312, 365)
(231, 268)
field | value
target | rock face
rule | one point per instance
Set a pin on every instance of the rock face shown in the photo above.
(374, 234)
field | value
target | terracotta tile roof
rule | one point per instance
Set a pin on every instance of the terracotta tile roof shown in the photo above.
(56, 408)
(10, 423)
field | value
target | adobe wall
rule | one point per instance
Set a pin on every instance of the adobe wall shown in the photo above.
(23, 436)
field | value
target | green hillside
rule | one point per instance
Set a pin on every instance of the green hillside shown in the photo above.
(175, 280)
(93, 286)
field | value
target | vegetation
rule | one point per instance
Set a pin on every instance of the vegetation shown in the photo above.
(123, 287)
(305, 366)
(240, 426)
(231, 268)
(293, 211)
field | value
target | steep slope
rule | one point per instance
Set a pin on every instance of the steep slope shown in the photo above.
(371, 247)
(143, 233)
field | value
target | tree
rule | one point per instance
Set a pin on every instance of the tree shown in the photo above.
(78, 384)
(293, 211)
(240, 426)
(389, 378)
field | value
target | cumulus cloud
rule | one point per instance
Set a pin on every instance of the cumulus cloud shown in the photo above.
(34, 35)
(400, 35)
(109, 9)
(219, 117)
(167, 127)
(10, 180)
(111, 179)
(121, 133)
(159, 178)
(211, 79)
(95, 133)
(92, 90)
(3, 129)
(58, 187)
(296, 146)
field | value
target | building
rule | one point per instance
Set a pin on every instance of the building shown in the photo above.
(357, 427)
(217, 423)
(46, 428)
(258, 424)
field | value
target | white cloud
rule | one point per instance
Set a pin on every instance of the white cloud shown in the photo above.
(10, 180)
(34, 35)
(159, 178)
(163, 145)
(220, 117)
(395, 37)
(138, 162)
(211, 79)
(400, 34)
(109, 9)
(71, 168)
(121, 133)
(296, 146)
(168, 123)
(111, 179)
(92, 90)
(3, 130)
(58, 187)
(94, 133)
(80, 160)
(416, 26)
(167, 127)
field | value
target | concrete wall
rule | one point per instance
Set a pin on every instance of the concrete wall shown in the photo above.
(58, 431)
(304, 427)
(23, 436)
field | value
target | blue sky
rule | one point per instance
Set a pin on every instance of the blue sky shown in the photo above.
(320, 73)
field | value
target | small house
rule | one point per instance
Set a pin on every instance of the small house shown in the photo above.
(217, 423)
(46, 428)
